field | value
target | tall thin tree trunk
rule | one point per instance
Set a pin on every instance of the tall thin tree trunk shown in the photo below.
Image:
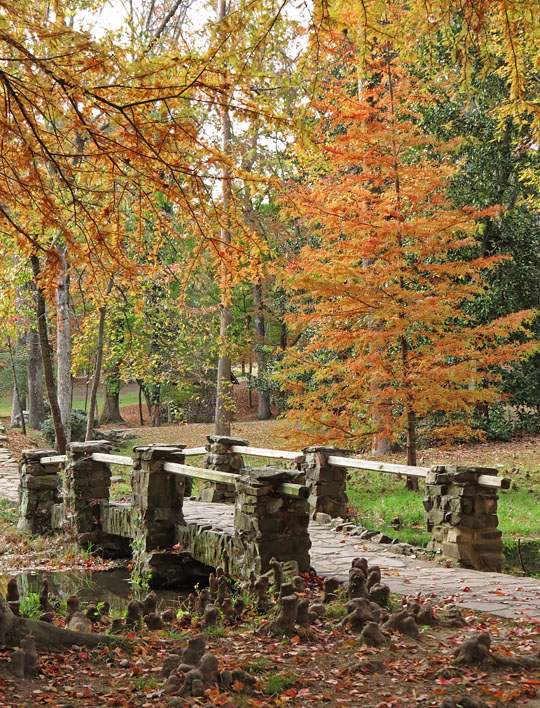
(16, 386)
(412, 482)
(147, 399)
(250, 390)
(34, 374)
(46, 357)
(263, 395)
(63, 346)
(16, 407)
(141, 419)
(224, 383)
(97, 375)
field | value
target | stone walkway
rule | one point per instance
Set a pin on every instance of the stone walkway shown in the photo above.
(332, 553)
(9, 476)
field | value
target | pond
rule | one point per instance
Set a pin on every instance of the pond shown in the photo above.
(112, 586)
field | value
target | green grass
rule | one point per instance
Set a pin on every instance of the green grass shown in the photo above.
(257, 666)
(519, 511)
(378, 498)
(8, 511)
(276, 683)
(129, 398)
(31, 606)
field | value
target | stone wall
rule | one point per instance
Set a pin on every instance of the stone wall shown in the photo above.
(219, 456)
(462, 516)
(156, 500)
(87, 491)
(270, 523)
(327, 484)
(39, 490)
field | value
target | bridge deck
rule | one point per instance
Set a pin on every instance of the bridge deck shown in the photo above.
(332, 553)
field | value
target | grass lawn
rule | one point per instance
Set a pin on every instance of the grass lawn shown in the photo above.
(127, 398)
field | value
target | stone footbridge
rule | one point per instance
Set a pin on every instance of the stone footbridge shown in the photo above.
(276, 512)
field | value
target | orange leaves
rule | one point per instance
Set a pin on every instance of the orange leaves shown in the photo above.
(381, 292)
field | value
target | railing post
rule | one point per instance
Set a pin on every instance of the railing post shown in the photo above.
(269, 523)
(88, 488)
(462, 516)
(39, 491)
(156, 499)
(327, 484)
(219, 456)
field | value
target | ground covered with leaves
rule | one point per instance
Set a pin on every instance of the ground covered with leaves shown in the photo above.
(214, 651)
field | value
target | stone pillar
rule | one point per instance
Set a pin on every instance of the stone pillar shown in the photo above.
(327, 484)
(156, 500)
(462, 516)
(88, 487)
(219, 456)
(269, 523)
(39, 491)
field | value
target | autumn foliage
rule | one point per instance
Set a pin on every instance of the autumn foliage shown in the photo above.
(382, 288)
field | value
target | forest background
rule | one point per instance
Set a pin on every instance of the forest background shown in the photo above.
(339, 200)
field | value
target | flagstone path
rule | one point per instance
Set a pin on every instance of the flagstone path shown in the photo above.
(332, 552)
(9, 476)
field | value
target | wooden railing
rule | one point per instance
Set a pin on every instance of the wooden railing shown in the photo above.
(297, 490)
(484, 480)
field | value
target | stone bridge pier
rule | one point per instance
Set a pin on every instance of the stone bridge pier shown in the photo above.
(269, 521)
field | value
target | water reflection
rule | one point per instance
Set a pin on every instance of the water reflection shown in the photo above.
(113, 586)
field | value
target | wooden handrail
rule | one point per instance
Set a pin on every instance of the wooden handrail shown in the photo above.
(484, 480)
(55, 459)
(264, 452)
(112, 459)
(296, 490)
(389, 467)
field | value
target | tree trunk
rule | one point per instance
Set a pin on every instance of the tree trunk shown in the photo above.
(16, 402)
(147, 399)
(141, 419)
(224, 384)
(155, 421)
(46, 357)
(250, 390)
(63, 346)
(13, 629)
(16, 391)
(263, 394)
(111, 405)
(34, 373)
(97, 375)
(412, 482)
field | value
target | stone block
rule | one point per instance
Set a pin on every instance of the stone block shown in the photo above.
(210, 494)
(435, 516)
(214, 459)
(35, 455)
(28, 481)
(227, 440)
(480, 521)
(438, 490)
(82, 449)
